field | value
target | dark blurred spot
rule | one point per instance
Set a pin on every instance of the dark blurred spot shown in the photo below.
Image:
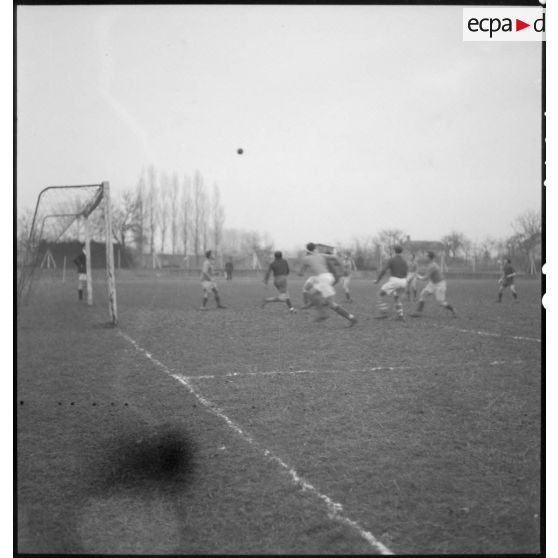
(141, 459)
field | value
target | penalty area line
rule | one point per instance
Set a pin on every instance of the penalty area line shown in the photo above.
(346, 371)
(488, 333)
(334, 509)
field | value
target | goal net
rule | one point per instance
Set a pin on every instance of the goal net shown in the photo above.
(62, 214)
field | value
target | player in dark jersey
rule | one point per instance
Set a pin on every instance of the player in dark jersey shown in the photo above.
(507, 280)
(395, 286)
(81, 264)
(279, 268)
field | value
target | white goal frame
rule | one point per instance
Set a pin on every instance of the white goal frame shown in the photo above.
(35, 237)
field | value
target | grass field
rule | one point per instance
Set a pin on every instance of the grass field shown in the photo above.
(249, 430)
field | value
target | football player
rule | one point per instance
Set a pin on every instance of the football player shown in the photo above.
(507, 280)
(436, 286)
(208, 283)
(279, 267)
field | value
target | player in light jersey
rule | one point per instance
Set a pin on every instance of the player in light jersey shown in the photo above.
(436, 285)
(507, 280)
(395, 286)
(348, 267)
(322, 284)
(279, 267)
(412, 279)
(208, 283)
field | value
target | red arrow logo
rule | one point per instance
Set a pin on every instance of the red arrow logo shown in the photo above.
(519, 25)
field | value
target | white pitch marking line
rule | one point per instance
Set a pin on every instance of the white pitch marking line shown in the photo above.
(489, 334)
(277, 372)
(350, 371)
(335, 510)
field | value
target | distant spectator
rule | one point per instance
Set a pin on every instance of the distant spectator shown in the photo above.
(229, 270)
(81, 264)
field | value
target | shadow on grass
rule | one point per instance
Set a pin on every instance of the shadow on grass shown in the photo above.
(146, 459)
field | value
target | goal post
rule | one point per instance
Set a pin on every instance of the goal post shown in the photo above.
(58, 208)
(111, 284)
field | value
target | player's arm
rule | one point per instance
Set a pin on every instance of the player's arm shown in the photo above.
(510, 275)
(302, 269)
(268, 273)
(382, 273)
(421, 276)
(206, 273)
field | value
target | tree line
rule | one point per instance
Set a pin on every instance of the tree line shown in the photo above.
(166, 213)
(524, 246)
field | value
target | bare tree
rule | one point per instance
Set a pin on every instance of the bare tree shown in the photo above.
(151, 203)
(218, 218)
(186, 214)
(199, 210)
(163, 209)
(454, 242)
(123, 217)
(388, 238)
(528, 236)
(174, 210)
(140, 215)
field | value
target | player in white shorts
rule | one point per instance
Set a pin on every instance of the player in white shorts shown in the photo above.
(208, 283)
(321, 291)
(348, 267)
(395, 286)
(436, 286)
(412, 279)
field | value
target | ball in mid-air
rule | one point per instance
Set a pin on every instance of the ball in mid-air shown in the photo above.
(240, 151)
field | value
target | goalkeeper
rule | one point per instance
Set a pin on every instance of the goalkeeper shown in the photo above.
(81, 264)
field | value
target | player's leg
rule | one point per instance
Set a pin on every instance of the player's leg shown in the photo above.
(413, 289)
(307, 296)
(514, 292)
(206, 288)
(500, 292)
(82, 285)
(217, 297)
(341, 311)
(397, 295)
(408, 286)
(381, 300)
(440, 295)
(345, 283)
(424, 294)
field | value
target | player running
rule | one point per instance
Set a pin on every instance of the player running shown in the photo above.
(348, 267)
(208, 283)
(412, 279)
(279, 267)
(507, 280)
(395, 286)
(436, 285)
(322, 292)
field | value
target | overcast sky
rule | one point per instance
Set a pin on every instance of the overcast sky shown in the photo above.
(352, 118)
